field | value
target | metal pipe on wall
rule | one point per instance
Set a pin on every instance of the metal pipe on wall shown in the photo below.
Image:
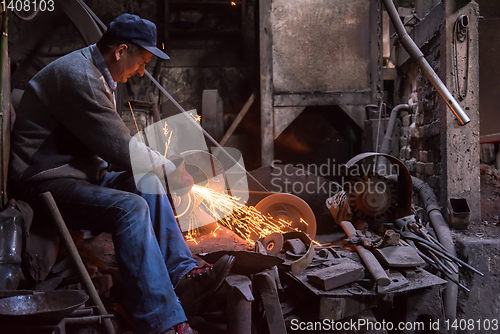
(416, 54)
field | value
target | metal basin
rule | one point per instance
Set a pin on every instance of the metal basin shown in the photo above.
(50, 306)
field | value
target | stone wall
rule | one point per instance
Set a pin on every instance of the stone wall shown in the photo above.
(433, 146)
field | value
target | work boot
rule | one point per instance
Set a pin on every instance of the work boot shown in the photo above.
(182, 328)
(202, 281)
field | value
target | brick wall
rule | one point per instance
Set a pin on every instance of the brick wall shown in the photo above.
(419, 138)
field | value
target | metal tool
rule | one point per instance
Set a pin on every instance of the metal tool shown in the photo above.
(77, 260)
(239, 304)
(368, 258)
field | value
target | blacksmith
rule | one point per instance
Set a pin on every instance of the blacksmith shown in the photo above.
(67, 132)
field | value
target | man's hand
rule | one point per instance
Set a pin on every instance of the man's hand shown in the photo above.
(180, 181)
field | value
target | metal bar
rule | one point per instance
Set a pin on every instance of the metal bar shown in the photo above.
(416, 54)
(454, 258)
(266, 286)
(77, 260)
(239, 305)
(90, 320)
(238, 119)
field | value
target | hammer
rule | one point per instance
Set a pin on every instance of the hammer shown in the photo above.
(368, 258)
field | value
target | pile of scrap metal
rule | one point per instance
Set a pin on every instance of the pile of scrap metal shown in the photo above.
(389, 259)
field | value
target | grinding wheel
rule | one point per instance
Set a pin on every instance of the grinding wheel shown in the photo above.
(290, 208)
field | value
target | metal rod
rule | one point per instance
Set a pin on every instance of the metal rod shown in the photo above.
(238, 119)
(191, 119)
(454, 258)
(77, 260)
(416, 54)
(450, 278)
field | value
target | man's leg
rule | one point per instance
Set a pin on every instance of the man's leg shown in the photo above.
(150, 294)
(173, 247)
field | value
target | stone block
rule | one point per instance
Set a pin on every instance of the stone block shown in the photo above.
(420, 167)
(429, 168)
(404, 141)
(423, 156)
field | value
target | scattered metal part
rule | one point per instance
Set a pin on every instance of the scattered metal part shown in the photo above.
(398, 281)
(369, 259)
(304, 261)
(266, 286)
(239, 304)
(391, 238)
(355, 291)
(295, 246)
(245, 263)
(339, 207)
(273, 243)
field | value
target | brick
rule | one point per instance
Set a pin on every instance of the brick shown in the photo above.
(419, 176)
(429, 168)
(404, 141)
(402, 152)
(430, 156)
(420, 167)
(423, 156)
(403, 114)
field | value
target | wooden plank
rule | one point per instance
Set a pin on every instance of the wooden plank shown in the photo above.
(266, 82)
(322, 99)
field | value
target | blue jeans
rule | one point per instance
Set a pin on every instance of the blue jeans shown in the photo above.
(150, 250)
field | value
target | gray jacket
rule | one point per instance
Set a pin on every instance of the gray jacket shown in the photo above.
(67, 125)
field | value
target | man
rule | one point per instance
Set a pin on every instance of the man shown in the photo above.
(67, 131)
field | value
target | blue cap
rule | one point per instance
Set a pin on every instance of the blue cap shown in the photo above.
(131, 28)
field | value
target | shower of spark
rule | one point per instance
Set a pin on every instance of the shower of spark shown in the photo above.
(167, 133)
(245, 220)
